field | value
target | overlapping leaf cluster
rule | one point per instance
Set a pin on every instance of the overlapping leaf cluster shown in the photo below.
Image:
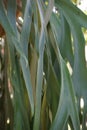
(46, 95)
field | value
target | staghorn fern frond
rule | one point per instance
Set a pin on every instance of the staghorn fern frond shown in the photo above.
(40, 43)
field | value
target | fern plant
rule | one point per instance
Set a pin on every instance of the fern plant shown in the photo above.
(45, 65)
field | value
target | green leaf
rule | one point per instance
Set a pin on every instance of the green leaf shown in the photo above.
(79, 70)
(49, 11)
(24, 39)
(39, 81)
(24, 5)
(25, 32)
(67, 105)
(56, 27)
(11, 14)
(53, 90)
(4, 20)
(18, 100)
(76, 12)
(36, 26)
(62, 32)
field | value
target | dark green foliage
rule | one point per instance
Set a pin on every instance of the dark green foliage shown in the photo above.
(46, 94)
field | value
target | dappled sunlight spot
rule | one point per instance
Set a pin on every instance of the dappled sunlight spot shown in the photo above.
(20, 19)
(46, 3)
(86, 121)
(81, 112)
(19, 23)
(11, 95)
(55, 10)
(69, 128)
(80, 127)
(86, 53)
(83, 5)
(86, 124)
(85, 34)
(43, 73)
(2, 42)
(8, 120)
(81, 103)
(69, 68)
(50, 116)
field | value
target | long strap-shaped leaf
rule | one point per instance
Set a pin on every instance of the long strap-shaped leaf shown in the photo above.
(13, 39)
(49, 11)
(39, 82)
(66, 43)
(20, 115)
(9, 30)
(22, 49)
(56, 26)
(67, 96)
(80, 70)
(39, 69)
(23, 5)
(76, 12)
(36, 25)
(67, 106)
(24, 39)
(19, 107)
(44, 22)
(62, 33)
(11, 13)
(25, 32)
